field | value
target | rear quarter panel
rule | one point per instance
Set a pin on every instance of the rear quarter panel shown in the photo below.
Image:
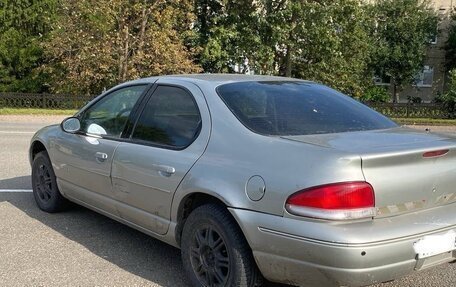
(235, 154)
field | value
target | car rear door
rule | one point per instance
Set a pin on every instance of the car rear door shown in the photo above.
(82, 161)
(170, 134)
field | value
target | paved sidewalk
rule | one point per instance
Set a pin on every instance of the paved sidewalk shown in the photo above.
(46, 119)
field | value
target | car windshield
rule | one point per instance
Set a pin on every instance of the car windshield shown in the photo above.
(298, 108)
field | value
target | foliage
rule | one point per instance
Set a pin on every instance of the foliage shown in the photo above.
(375, 94)
(452, 85)
(323, 40)
(96, 44)
(82, 47)
(400, 31)
(449, 98)
(450, 45)
(227, 34)
(24, 24)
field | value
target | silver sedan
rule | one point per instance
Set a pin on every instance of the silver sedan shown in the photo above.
(257, 177)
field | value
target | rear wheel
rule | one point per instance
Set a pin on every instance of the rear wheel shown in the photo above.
(215, 252)
(45, 190)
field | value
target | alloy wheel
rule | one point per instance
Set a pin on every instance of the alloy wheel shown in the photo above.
(43, 183)
(209, 257)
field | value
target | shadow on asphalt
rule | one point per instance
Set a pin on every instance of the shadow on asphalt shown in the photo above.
(20, 182)
(121, 245)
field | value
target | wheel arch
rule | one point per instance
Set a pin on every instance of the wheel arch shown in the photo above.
(189, 203)
(36, 147)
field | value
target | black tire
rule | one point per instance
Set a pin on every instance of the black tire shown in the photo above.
(45, 190)
(215, 252)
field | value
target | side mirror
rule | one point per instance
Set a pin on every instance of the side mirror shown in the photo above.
(71, 125)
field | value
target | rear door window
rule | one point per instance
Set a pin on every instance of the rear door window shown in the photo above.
(170, 118)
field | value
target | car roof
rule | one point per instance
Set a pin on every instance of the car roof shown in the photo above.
(216, 79)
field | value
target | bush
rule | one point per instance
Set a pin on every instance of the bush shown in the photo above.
(375, 94)
(414, 100)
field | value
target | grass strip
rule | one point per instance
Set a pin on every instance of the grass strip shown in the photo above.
(425, 121)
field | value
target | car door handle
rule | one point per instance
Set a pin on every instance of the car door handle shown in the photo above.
(101, 156)
(165, 170)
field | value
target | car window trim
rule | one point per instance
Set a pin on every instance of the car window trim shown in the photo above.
(137, 111)
(141, 110)
(80, 114)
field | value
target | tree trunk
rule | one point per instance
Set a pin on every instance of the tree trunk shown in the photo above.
(288, 63)
(125, 56)
(142, 32)
(121, 59)
(289, 55)
(395, 95)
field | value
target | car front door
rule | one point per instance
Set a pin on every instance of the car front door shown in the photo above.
(82, 161)
(170, 135)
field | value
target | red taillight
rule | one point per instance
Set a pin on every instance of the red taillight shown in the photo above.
(435, 153)
(338, 201)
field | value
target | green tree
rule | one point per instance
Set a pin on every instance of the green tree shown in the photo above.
(324, 41)
(227, 34)
(98, 43)
(400, 35)
(23, 25)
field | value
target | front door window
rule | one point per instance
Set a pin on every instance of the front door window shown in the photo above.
(108, 116)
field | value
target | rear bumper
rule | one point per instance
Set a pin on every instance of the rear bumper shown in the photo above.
(289, 251)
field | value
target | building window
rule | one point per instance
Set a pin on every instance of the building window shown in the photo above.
(425, 77)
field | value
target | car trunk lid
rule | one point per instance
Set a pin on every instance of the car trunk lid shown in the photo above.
(401, 166)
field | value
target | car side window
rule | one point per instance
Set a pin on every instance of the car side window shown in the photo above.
(109, 115)
(170, 117)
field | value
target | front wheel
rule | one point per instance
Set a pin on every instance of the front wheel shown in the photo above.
(215, 252)
(45, 190)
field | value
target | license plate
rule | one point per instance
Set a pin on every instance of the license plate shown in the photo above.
(435, 244)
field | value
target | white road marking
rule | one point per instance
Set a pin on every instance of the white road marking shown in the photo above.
(14, 132)
(16, 190)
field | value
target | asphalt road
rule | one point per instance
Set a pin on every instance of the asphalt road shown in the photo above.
(83, 248)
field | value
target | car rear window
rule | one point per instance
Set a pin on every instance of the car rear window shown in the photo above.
(298, 108)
